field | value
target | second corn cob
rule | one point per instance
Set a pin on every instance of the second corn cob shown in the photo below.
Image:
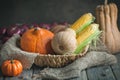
(86, 36)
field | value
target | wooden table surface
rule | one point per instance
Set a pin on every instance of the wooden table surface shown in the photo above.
(111, 72)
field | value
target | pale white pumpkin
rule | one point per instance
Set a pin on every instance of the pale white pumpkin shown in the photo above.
(64, 42)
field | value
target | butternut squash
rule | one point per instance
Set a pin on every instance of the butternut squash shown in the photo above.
(106, 17)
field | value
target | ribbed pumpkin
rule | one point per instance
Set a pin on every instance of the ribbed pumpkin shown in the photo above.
(11, 68)
(37, 40)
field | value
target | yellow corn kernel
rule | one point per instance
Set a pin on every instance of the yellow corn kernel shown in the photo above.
(86, 36)
(86, 33)
(83, 22)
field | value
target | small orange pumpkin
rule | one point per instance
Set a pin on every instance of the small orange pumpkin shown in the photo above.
(11, 68)
(37, 40)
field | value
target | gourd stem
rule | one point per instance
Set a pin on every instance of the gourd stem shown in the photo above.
(105, 2)
(36, 28)
(12, 61)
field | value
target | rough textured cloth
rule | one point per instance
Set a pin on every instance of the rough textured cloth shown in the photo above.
(10, 50)
(96, 56)
(93, 58)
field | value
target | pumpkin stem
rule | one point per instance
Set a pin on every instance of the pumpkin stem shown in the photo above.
(12, 61)
(35, 31)
(36, 28)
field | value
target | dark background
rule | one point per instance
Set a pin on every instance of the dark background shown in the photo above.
(47, 11)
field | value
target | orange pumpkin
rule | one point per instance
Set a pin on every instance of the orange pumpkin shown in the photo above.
(37, 40)
(11, 68)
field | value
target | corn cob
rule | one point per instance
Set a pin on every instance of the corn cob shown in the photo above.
(86, 36)
(83, 22)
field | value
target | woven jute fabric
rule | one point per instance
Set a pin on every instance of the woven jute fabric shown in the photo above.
(11, 50)
(73, 70)
(97, 55)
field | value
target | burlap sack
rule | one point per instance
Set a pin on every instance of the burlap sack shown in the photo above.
(11, 50)
(73, 70)
(97, 55)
